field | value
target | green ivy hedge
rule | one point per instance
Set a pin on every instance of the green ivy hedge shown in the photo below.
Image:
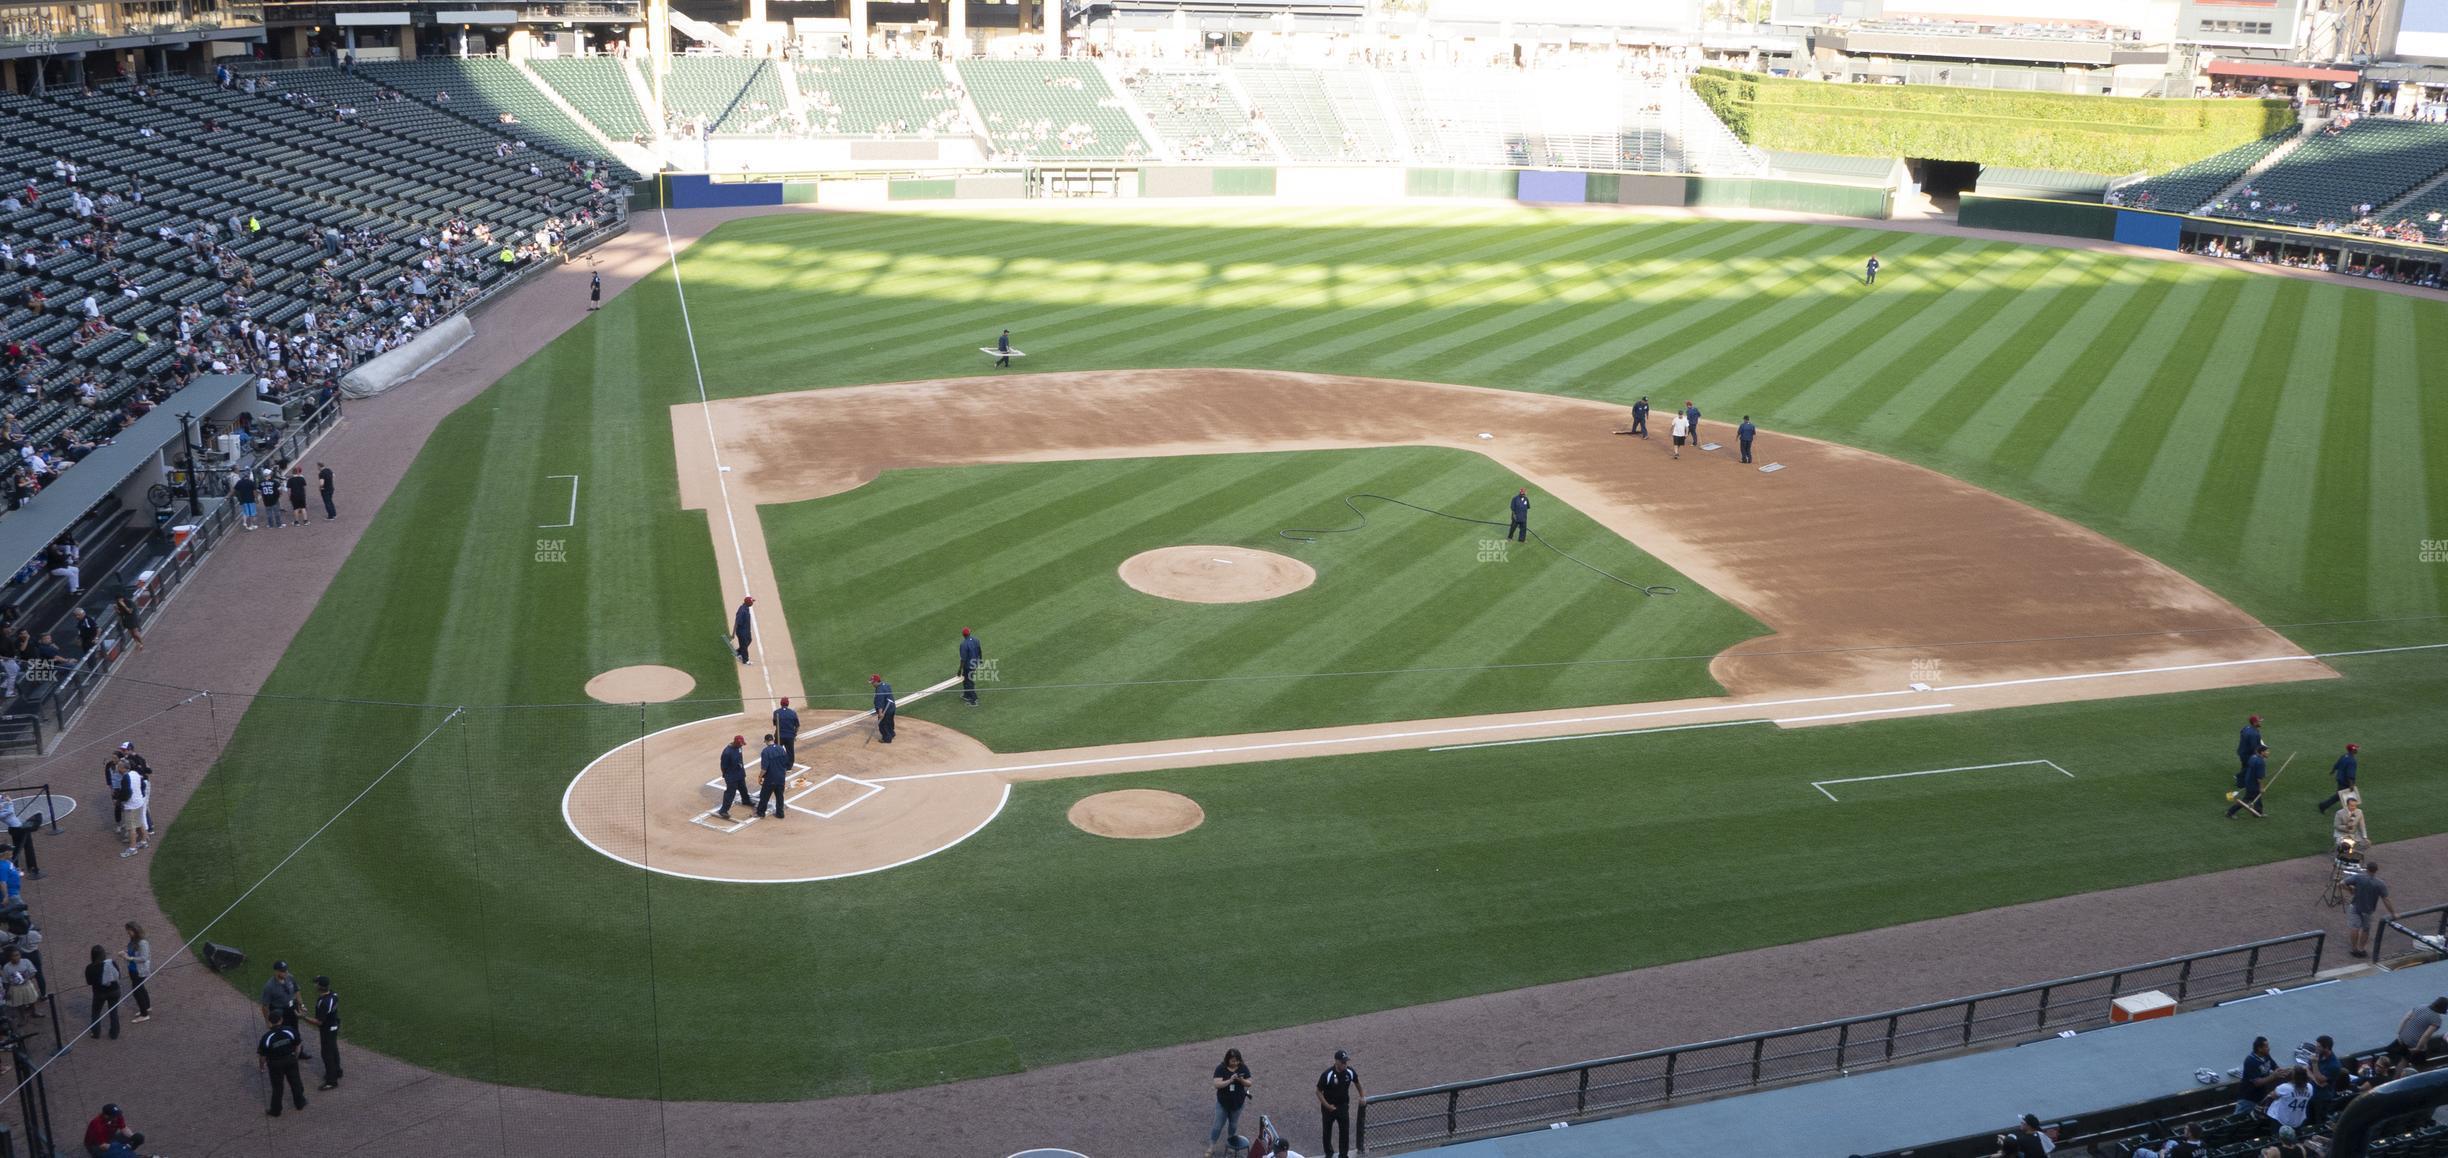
(2097, 134)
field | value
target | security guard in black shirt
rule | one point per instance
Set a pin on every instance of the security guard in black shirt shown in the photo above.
(277, 1054)
(326, 1019)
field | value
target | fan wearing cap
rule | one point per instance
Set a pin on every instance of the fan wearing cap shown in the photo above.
(734, 775)
(2248, 742)
(884, 705)
(972, 656)
(106, 1127)
(2344, 773)
(743, 627)
(786, 729)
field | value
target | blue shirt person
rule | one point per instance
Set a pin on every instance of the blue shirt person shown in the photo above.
(734, 775)
(1746, 432)
(1640, 417)
(2248, 783)
(743, 626)
(972, 656)
(2248, 741)
(1520, 527)
(786, 728)
(2344, 773)
(775, 761)
(884, 707)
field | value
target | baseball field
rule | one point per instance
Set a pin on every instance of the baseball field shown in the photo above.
(2049, 523)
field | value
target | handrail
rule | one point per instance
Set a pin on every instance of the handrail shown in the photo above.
(1687, 1069)
(2406, 918)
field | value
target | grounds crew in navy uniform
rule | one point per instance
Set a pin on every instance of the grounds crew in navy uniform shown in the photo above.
(2248, 742)
(1691, 412)
(775, 763)
(786, 728)
(1520, 529)
(277, 1055)
(1640, 417)
(2248, 783)
(743, 626)
(884, 706)
(2344, 773)
(972, 654)
(1003, 347)
(1746, 432)
(1870, 271)
(326, 1019)
(734, 775)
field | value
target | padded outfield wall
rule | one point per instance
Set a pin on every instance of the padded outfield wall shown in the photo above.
(1312, 183)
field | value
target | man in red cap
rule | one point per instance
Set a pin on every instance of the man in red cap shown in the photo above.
(2344, 773)
(884, 704)
(972, 654)
(743, 626)
(786, 729)
(734, 775)
(2248, 742)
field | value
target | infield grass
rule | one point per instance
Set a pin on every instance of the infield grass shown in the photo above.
(2274, 439)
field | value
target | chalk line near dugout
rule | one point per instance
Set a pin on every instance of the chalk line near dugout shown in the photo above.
(1822, 785)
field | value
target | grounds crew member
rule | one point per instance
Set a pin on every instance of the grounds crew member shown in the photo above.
(734, 775)
(1337, 1089)
(1520, 529)
(1744, 434)
(972, 654)
(2344, 773)
(2248, 741)
(277, 1056)
(1640, 417)
(2248, 783)
(786, 728)
(884, 706)
(776, 764)
(1003, 348)
(1870, 271)
(1691, 411)
(743, 626)
(326, 1019)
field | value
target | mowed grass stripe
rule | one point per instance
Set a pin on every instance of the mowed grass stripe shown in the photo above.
(2022, 384)
(2401, 462)
(2337, 527)
(2124, 446)
(1969, 309)
(1695, 303)
(1772, 338)
(1832, 367)
(1919, 388)
(2053, 405)
(2242, 439)
(2432, 340)
(1976, 377)
(2280, 513)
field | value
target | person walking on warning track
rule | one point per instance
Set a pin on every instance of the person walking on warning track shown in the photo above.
(1520, 528)
(2248, 741)
(972, 657)
(734, 775)
(1744, 434)
(884, 705)
(2248, 783)
(1003, 348)
(594, 292)
(1640, 417)
(2371, 894)
(786, 728)
(743, 626)
(2344, 773)
(1870, 271)
(1337, 1089)
(775, 762)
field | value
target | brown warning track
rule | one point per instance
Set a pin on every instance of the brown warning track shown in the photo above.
(1890, 589)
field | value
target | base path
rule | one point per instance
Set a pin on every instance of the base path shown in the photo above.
(1892, 590)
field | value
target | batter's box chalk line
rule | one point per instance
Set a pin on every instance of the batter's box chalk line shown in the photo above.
(1822, 785)
(707, 819)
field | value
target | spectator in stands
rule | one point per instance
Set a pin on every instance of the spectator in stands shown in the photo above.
(2186, 1144)
(2418, 1033)
(2256, 1076)
(2290, 1101)
(88, 629)
(107, 1127)
(2330, 1081)
(2024, 1141)
(2287, 1146)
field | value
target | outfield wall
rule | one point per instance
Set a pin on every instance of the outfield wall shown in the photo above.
(1357, 184)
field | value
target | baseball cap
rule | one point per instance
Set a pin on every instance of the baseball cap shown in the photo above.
(2253, 720)
(739, 739)
(280, 967)
(786, 701)
(127, 745)
(2354, 747)
(747, 598)
(322, 982)
(2286, 1133)
(964, 631)
(2032, 1120)
(875, 679)
(1342, 1055)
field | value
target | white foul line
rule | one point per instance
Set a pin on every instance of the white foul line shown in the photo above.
(1597, 735)
(1865, 712)
(713, 444)
(573, 514)
(1821, 785)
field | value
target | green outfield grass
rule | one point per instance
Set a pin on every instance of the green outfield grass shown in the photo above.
(1435, 617)
(2274, 439)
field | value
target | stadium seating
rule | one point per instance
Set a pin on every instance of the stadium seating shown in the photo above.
(1461, 119)
(2374, 160)
(728, 94)
(493, 93)
(598, 87)
(1197, 115)
(1057, 110)
(2185, 190)
(1321, 115)
(879, 98)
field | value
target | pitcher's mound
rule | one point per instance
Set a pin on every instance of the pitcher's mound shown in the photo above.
(1215, 574)
(643, 684)
(1137, 814)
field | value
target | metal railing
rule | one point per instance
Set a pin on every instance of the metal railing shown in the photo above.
(2435, 916)
(1609, 1086)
